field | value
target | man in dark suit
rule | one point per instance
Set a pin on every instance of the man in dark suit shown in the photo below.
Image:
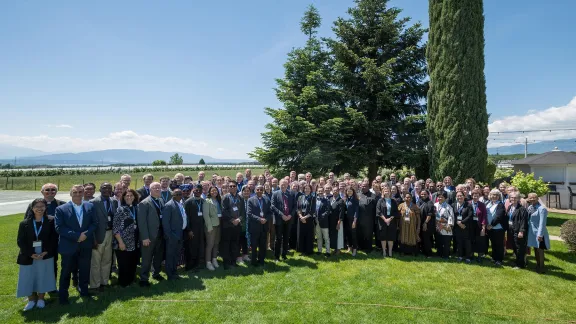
(102, 253)
(194, 247)
(151, 237)
(76, 223)
(259, 217)
(145, 190)
(49, 191)
(519, 226)
(232, 222)
(174, 222)
(283, 207)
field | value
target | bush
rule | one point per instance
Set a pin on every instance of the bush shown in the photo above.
(526, 183)
(502, 174)
(568, 234)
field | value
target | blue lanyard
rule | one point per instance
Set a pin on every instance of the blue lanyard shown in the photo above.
(182, 211)
(234, 199)
(199, 205)
(37, 231)
(473, 207)
(167, 195)
(155, 203)
(132, 213)
(460, 210)
(78, 215)
(217, 203)
(408, 209)
(388, 206)
(108, 206)
(511, 212)
(260, 204)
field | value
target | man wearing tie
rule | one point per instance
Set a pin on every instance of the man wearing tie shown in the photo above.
(283, 207)
(150, 230)
(76, 223)
(102, 252)
(175, 224)
(145, 190)
(259, 217)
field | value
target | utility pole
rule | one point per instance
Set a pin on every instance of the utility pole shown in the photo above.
(525, 147)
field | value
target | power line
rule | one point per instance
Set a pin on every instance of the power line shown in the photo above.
(534, 131)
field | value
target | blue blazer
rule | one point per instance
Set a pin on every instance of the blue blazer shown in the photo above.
(67, 226)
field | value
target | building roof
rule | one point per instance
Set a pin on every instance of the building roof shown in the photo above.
(548, 158)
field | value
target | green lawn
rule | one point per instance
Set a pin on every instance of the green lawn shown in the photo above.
(66, 181)
(366, 289)
(556, 220)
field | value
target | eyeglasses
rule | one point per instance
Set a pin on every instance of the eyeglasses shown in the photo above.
(177, 194)
(50, 189)
(439, 186)
(231, 186)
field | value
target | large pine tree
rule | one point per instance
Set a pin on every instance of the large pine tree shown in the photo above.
(457, 119)
(379, 69)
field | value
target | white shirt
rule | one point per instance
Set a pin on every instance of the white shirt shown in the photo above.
(183, 213)
(79, 213)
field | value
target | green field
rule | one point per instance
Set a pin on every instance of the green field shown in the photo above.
(365, 289)
(66, 181)
(556, 220)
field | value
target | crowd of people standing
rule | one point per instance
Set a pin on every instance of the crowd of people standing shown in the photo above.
(180, 221)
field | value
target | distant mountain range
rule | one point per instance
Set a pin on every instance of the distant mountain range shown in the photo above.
(568, 145)
(117, 156)
(8, 152)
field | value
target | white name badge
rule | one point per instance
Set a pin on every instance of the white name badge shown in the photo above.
(200, 214)
(407, 219)
(109, 218)
(235, 208)
(261, 214)
(160, 216)
(219, 215)
(510, 223)
(475, 218)
(303, 210)
(135, 227)
(459, 218)
(37, 244)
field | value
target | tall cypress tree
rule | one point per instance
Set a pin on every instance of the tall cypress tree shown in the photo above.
(457, 120)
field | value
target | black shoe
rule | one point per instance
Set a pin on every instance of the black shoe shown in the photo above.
(318, 253)
(144, 284)
(255, 264)
(64, 302)
(226, 267)
(87, 295)
(327, 255)
(284, 258)
(74, 283)
(174, 278)
(158, 277)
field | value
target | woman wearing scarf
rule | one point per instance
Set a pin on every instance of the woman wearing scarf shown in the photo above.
(462, 229)
(444, 224)
(387, 220)
(497, 223)
(409, 225)
(351, 219)
(478, 225)
(306, 214)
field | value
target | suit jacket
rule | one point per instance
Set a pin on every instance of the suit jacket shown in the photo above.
(166, 195)
(519, 219)
(228, 212)
(102, 215)
(307, 206)
(143, 193)
(253, 214)
(464, 215)
(277, 205)
(69, 229)
(26, 237)
(323, 212)
(148, 220)
(29, 211)
(337, 210)
(427, 209)
(500, 217)
(172, 221)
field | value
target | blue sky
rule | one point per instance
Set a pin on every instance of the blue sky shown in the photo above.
(195, 76)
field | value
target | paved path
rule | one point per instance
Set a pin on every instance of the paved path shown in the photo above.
(15, 201)
(562, 211)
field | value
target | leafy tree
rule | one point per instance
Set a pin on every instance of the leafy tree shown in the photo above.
(526, 183)
(201, 162)
(354, 103)
(457, 119)
(159, 162)
(176, 159)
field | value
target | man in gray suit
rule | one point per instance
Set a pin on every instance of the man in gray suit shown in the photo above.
(284, 209)
(102, 252)
(150, 230)
(175, 223)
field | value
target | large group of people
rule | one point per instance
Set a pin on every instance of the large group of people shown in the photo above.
(194, 224)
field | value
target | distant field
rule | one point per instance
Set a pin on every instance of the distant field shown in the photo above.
(66, 181)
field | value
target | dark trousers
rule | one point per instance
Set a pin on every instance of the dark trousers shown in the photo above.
(497, 242)
(464, 246)
(243, 244)
(80, 259)
(351, 234)
(478, 242)
(258, 243)
(426, 242)
(293, 236)
(152, 256)
(438, 243)
(333, 234)
(194, 248)
(444, 249)
(127, 261)
(173, 249)
(229, 239)
(306, 240)
(520, 246)
(365, 234)
(282, 238)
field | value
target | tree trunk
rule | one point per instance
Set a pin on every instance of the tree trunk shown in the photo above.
(372, 171)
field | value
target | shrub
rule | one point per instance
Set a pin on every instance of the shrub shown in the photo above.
(526, 183)
(568, 234)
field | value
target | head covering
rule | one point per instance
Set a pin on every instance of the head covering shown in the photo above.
(186, 187)
(198, 186)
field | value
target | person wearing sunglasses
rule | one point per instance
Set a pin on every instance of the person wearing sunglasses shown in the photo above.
(232, 222)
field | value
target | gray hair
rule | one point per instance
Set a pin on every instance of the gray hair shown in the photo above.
(495, 192)
(48, 184)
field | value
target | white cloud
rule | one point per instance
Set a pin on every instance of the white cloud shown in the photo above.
(549, 119)
(119, 140)
(63, 126)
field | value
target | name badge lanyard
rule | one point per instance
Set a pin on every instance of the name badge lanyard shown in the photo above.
(388, 206)
(260, 205)
(107, 206)
(199, 205)
(79, 215)
(218, 208)
(155, 203)
(132, 213)
(460, 210)
(182, 211)
(408, 210)
(167, 195)
(37, 231)
(474, 206)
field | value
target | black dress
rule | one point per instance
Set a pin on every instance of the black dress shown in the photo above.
(387, 232)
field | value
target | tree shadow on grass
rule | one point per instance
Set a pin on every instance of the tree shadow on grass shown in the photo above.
(95, 306)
